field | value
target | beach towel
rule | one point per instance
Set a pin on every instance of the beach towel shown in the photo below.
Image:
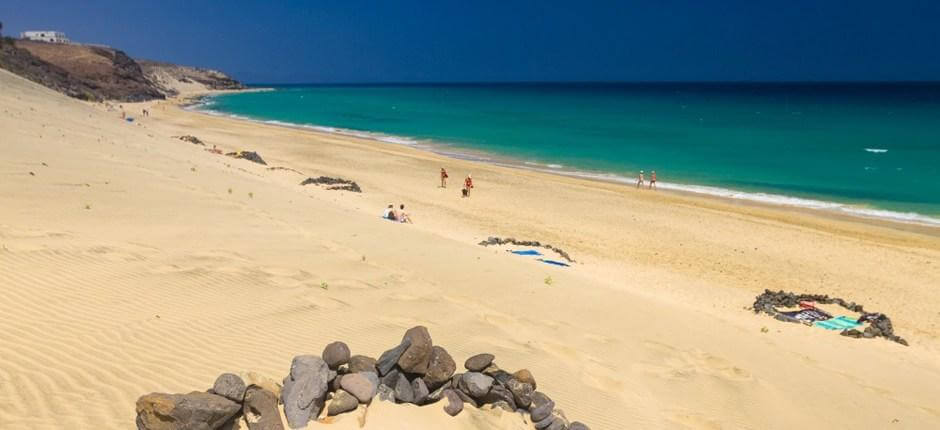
(553, 262)
(808, 315)
(526, 252)
(838, 323)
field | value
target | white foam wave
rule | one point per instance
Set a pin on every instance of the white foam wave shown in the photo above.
(876, 150)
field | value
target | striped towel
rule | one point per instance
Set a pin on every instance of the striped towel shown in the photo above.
(838, 323)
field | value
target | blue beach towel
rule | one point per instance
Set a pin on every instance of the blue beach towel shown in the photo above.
(553, 262)
(526, 252)
(838, 323)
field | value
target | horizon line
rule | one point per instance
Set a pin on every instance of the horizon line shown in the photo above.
(611, 82)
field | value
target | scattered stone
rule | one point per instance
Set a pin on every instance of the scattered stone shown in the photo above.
(502, 377)
(441, 367)
(196, 410)
(478, 362)
(521, 392)
(260, 409)
(438, 394)
(541, 406)
(403, 391)
(247, 155)
(390, 378)
(477, 384)
(416, 357)
(336, 383)
(466, 398)
(454, 403)
(230, 386)
(342, 402)
(420, 391)
(361, 363)
(578, 425)
(557, 424)
(389, 359)
(363, 385)
(499, 394)
(339, 184)
(336, 354)
(543, 424)
(525, 376)
(304, 390)
(386, 393)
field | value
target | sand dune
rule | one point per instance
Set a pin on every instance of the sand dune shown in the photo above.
(133, 262)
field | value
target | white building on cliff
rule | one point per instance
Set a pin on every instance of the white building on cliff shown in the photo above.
(45, 36)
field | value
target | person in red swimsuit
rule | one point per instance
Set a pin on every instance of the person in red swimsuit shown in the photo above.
(467, 185)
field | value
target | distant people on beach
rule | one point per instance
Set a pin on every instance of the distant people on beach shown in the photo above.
(145, 112)
(639, 180)
(443, 178)
(652, 179)
(467, 185)
(402, 215)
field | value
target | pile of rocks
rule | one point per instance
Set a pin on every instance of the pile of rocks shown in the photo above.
(879, 324)
(339, 184)
(191, 139)
(247, 155)
(492, 240)
(414, 372)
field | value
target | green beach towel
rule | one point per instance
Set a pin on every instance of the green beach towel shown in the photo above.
(838, 323)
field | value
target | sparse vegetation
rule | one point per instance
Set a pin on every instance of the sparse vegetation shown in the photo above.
(324, 285)
(548, 280)
(251, 195)
(87, 206)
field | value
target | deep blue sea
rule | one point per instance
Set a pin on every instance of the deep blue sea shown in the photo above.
(865, 149)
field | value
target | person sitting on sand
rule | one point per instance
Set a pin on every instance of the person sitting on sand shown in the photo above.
(390, 214)
(402, 215)
(639, 180)
(443, 178)
(653, 179)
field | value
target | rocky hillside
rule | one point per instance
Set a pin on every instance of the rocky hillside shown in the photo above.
(172, 78)
(101, 73)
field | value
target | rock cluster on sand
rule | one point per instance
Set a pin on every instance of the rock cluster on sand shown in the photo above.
(492, 240)
(247, 155)
(191, 139)
(339, 184)
(414, 372)
(879, 324)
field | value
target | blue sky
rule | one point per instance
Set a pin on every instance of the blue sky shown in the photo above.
(444, 40)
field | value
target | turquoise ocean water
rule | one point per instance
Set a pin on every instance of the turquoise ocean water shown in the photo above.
(866, 149)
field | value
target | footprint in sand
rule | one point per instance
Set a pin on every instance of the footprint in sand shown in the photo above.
(674, 363)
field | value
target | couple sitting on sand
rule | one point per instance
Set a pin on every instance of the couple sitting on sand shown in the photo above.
(400, 215)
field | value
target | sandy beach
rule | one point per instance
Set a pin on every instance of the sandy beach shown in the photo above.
(134, 262)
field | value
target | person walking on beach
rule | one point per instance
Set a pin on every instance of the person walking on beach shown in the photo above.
(443, 178)
(639, 180)
(467, 185)
(653, 179)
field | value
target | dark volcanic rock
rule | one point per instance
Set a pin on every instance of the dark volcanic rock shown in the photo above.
(454, 403)
(230, 386)
(304, 389)
(441, 368)
(415, 359)
(361, 385)
(438, 394)
(248, 155)
(478, 362)
(403, 391)
(499, 394)
(336, 354)
(342, 402)
(390, 378)
(195, 411)
(521, 392)
(577, 425)
(420, 391)
(389, 359)
(333, 183)
(541, 406)
(466, 398)
(477, 384)
(260, 409)
(361, 363)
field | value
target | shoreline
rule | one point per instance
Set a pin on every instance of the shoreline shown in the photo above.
(908, 221)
